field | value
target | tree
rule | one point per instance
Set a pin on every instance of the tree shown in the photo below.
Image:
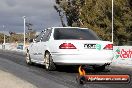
(31, 33)
(16, 38)
(93, 14)
(122, 21)
(11, 33)
(61, 15)
(70, 8)
(2, 38)
(96, 15)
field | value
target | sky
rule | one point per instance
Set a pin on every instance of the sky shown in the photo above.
(38, 12)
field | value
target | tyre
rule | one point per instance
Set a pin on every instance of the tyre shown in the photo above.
(28, 59)
(99, 68)
(49, 64)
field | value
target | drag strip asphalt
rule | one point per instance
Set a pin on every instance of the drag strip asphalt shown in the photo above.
(64, 77)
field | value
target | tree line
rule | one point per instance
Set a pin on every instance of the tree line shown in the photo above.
(92, 14)
(96, 15)
(14, 37)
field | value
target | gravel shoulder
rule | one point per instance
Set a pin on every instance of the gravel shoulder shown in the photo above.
(8, 80)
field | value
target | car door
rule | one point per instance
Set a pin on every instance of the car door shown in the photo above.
(42, 46)
(32, 50)
(35, 48)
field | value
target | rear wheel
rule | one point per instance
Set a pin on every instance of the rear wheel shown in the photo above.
(49, 64)
(28, 59)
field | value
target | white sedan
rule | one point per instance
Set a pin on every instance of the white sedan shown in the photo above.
(69, 46)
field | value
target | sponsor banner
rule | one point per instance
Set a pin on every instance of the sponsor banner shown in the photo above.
(123, 52)
(122, 55)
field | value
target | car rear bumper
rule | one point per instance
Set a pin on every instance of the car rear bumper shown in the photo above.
(82, 59)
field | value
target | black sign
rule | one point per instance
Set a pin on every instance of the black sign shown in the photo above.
(90, 46)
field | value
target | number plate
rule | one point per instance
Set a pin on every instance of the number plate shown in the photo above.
(90, 46)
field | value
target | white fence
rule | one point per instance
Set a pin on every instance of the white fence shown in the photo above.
(9, 46)
(13, 47)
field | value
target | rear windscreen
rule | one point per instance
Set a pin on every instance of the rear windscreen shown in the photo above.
(75, 34)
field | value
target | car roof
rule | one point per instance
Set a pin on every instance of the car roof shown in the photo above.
(65, 27)
(68, 27)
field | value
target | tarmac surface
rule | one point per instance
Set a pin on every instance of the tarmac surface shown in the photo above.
(17, 74)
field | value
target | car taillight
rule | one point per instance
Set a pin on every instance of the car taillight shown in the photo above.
(67, 46)
(109, 47)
